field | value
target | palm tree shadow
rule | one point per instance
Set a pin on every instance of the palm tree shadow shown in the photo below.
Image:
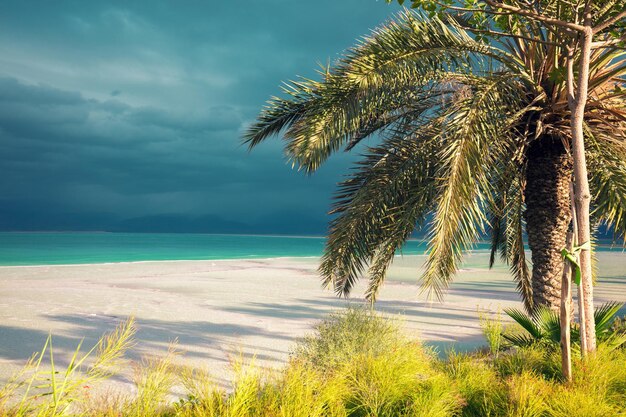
(201, 341)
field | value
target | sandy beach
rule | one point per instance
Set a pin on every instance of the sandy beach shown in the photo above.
(257, 307)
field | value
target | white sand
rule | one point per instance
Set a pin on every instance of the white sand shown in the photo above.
(215, 308)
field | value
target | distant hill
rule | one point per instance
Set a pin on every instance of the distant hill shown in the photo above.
(281, 222)
(288, 223)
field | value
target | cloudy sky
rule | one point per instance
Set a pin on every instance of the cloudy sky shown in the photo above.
(129, 114)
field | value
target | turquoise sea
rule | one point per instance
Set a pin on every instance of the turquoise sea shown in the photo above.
(83, 248)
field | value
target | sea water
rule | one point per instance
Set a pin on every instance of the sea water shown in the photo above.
(83, 248)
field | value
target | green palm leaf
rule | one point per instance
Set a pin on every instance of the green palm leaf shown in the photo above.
(549, 322)
(454, 120)
(604, 315)
(544, 325)
(465, 169)
(526, 321)
(408, 57)
(520, 340)
(378, 208)
(608, 180)
(506, 209)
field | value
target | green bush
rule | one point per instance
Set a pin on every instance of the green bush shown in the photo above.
(344, 334)
(380, 371)
(602, 377)
(543, 327)
(618, 326)
(302, 391)
(49, 392)
(493, 330)
(540, 359)
(528, 395)
(482, 391)
(356, 364)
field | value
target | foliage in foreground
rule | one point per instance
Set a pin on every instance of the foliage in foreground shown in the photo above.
(49, 392)
(359, 364)
(544, 326)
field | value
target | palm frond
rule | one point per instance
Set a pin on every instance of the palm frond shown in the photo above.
(604, 315)
(549, 322)
(455, 117)
(279, 113)
(346, 118)
(514, 244)
(506, 208)
(605, 67)
(378, 207)
(526, 321)
(544, 325)
(607, 163)
(497, 237)
(382, 260)
(521, 340)
(464, 174)
(414, 47)
(406, 62)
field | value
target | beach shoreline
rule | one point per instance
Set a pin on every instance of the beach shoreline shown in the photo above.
(183, 261)
(256, 307)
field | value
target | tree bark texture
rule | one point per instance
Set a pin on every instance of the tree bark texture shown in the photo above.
(548, 214)
(566, 315)
(582, 195)
(566, 297)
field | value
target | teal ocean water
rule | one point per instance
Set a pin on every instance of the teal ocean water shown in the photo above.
(82, 248)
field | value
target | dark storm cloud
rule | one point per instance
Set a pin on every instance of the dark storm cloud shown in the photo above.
(110, 111)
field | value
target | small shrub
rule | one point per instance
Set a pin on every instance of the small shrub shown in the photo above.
(528, 393)
(154, 379)
(344, 334)
(493, 330)
(53, 392)
(357, 364)
(203, 396)
(482, 391)
(247, 384)
(436, 398)
(603, 376)
(575, 403)
(373, 369)
(302, 391)
(540, 359)
(383, 384)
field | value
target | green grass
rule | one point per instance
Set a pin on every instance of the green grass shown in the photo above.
(493, 329)
(355, 364)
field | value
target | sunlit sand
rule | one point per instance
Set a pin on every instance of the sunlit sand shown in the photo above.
(215, 309)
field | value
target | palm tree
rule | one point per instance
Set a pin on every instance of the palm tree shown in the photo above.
(544, 326)
(473, 138)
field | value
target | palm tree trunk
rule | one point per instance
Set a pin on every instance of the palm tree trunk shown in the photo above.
(548, 215)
